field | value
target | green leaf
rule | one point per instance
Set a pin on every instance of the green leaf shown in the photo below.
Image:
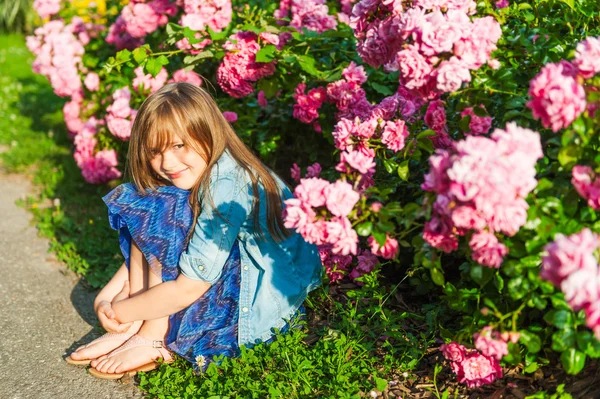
(307, 63)
(381, 89)
(192, 59)
(124, 55)
(562, 319)
(570, 3)
(152, 66)
(563, 340)
(572, 361)
(426, 133)
(266, 54)
(214, 36)
(437, 276)
(531, 341)
(403, 170)
(380, 383)
(568, 156)
(364, 229)
(139, 55)
(465, 123)
(162, 60)
(379, 236)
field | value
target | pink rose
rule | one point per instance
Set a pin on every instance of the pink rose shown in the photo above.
(451, 75)
(556, 97)
(312, 191)
(477, 369)
(490, 343)
(587, 57)
(230, 116)
(394, 135)
(453, 351)
(341, 198)
(92, 81)
(389, 250)
(568, 254)
(487, 251)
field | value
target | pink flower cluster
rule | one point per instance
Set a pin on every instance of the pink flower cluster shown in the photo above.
(354, 135)
(434, 44)
(239, 68)
(557, 99)
(145, 81)
(120, 116)
(478, 124)
(46, 8)
(306, 109)
(587, 57)
(312, 196)
(181, 75)
(138, 19)
(481, 184)
(347, 93)
(309, 14)
(557, 95)
(470, 366)
(571, 264)
(216, 14)
(72, 112)
(491, 343)
(312, 171)
(96, 168)
(435, 119)
(58, 54)
(587, 184)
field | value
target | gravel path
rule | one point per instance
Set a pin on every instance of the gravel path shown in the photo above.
(45, 312)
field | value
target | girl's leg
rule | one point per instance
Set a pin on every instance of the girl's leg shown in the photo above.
(153, 330)
(138, 282)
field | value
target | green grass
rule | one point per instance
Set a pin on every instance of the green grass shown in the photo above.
(67, 210)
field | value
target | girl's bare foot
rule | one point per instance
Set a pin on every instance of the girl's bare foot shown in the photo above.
(137, 351)
(105, 344)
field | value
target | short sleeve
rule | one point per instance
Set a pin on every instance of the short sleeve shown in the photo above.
(217, 228)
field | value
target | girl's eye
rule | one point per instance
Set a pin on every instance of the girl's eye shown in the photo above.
(179, 146)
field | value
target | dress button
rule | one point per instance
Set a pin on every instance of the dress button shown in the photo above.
(245, 267)
(200, 267)
(244, 309)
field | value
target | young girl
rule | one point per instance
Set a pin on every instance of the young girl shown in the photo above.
(209, 264)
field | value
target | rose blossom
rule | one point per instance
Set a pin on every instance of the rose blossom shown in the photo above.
(490, 343)
(587, 185)
(478, 124)
(587, 57)
(341, 198)
(477, 369)
(556, 97)
(92, 81)
(568, 254)
(487, 251)
(454, 351)
(389, 250)
(230, 116)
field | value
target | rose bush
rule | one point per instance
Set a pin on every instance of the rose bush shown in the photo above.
(463, 136)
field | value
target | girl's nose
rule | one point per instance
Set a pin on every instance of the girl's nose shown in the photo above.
(167, 161)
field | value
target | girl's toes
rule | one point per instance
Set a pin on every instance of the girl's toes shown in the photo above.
(113, 368)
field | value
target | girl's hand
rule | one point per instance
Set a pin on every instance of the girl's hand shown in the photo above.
(108, 320)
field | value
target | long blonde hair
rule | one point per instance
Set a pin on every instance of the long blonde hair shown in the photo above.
(194, 115)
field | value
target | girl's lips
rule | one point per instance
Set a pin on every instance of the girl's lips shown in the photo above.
(175, 175)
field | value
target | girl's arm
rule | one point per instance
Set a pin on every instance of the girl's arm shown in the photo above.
(114, 286)
(161, 300)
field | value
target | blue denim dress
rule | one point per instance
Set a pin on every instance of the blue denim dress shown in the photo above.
(159, 222)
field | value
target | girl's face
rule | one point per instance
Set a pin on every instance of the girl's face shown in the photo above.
(179, 164)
